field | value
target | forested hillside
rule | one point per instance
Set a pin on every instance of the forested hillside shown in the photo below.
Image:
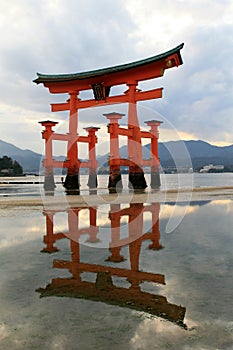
(10, 167)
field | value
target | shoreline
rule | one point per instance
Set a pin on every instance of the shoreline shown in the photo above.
(177, 195)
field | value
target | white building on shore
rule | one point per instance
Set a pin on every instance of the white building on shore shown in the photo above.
(209, 167)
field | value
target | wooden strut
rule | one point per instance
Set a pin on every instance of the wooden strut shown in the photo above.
(139, 96)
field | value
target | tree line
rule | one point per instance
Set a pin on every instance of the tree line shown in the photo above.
(10, 167)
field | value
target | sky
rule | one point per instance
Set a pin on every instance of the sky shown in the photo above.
(57, 36)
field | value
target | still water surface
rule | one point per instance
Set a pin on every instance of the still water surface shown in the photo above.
(111, 277)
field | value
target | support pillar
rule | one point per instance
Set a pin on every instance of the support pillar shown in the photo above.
(155, 161)
(49, 239)
(93, 226)
(136, 174)
(115, 247)
(75, 255)
(92, 180)
(49, 184)
(155, 232)
(72, 177)
(114, 182)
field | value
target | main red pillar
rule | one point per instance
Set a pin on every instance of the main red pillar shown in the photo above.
(135, 226)
(115, 247)
(72, 177)
(136, 174)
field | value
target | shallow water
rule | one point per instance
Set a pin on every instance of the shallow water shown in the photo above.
(63, 258)
(33, 185)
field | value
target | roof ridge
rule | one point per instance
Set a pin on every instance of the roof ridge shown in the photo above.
(98, 72)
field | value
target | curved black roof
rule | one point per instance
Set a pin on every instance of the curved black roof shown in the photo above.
(43, 78)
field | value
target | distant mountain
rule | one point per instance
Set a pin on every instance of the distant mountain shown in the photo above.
(185, 153)
(201, 153)
(196, 149)
(29, 160)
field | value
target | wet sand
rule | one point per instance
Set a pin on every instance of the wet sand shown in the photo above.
(176, 195)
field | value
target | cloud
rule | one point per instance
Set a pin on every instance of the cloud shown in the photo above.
(216, 334)
(18, 233)
(199, 93)
(53, 37)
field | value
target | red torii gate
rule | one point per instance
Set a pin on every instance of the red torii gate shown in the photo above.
(101, 81)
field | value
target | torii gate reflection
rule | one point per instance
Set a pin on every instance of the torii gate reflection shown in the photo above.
(103, 289)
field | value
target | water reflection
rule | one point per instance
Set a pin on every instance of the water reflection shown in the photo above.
(196, 263)
(103, 287)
